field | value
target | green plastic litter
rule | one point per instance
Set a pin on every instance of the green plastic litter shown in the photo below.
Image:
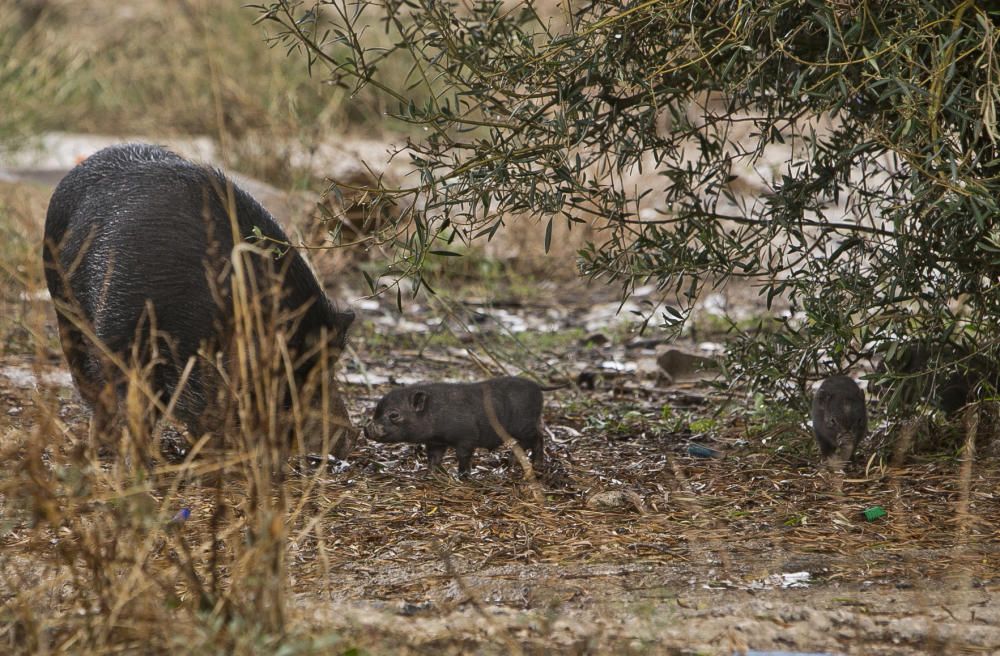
(874, 513)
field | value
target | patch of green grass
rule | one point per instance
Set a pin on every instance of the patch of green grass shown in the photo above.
(556, 340)
(476, 275)
(707, 325)
(623, 421)
(377, 340)
(767, 416)
(795, 520)
(702, 425)
(466, 274)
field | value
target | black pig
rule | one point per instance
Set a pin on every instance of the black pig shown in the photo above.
(464, 416)
(839, 418)
(947, 375)
(138, 254)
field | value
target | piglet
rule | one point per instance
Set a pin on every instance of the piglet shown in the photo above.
(462, 416)
(839, 418)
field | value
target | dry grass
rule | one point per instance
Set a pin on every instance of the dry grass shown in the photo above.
(94, 560)
(197, 67)
(99, 567)
(380, 557)
(200, 68)
(691, 507)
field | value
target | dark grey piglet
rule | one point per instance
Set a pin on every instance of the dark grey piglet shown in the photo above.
(463, 416)
(839, 418)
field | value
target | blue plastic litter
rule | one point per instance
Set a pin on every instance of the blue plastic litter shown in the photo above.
(699, 451)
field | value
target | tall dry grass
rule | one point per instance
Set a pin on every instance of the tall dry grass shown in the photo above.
(141, 548)
(193, 67)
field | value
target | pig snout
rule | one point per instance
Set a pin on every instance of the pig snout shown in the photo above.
(343, 321)
(373, 431)
(346, 317)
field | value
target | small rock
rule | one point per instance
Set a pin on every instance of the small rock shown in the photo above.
(604, 315)
(616, 500)
(409, 609)
(680, 365)
(621, 367)
(20, 377)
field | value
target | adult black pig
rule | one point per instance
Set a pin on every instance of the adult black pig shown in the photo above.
(463, 416)
(139, 260)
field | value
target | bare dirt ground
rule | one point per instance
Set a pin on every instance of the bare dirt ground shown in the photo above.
(637, 545)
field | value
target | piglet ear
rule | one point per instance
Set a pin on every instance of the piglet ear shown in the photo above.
(419, 401)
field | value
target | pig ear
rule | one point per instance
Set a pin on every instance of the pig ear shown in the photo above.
(419, 401)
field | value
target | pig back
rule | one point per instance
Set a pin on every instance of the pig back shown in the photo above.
(138, 238)
(516, 405)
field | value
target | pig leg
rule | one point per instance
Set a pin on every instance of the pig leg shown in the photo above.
(846, 444)
(435, 454)
(464, 454)
(95, 393)
(345, 435)
(537, 450)
(105, 424)
(95, 379)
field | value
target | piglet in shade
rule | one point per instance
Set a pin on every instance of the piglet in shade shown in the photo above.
(839, 418)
